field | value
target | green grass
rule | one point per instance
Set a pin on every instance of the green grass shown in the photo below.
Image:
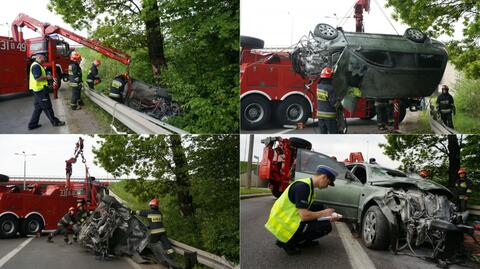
(244, 190)
(244, 166)
(425, 124)
(465, 123)
(119, 189)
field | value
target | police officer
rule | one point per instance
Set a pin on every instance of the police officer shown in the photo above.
(92, 77)
(446, 106)
(381, 107)
(67, 220)
(463, 188)
(155, 226)
(75, 80)
(38, 83)
(294, 218)
(80, 217)
(117, 88)
(327, 103)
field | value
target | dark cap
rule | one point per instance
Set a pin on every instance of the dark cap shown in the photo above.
(331, 174)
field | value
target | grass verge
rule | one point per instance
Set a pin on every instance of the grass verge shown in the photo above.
(244, 190)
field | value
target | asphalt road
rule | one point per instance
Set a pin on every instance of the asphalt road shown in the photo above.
(37, 253)
(339, 249)
(355, 126)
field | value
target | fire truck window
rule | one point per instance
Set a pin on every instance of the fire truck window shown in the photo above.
(36, 46)
(361, 174)
(61, 49)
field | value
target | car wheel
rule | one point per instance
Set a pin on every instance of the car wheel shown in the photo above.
(300, 143)
(292, 110)
(325, 31)
(255, 112)
(32, 225)
(8, 226)
(415, 35)
(375, 229)
(249, 42)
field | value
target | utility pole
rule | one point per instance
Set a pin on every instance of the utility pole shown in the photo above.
(249, 164)
(25, 167)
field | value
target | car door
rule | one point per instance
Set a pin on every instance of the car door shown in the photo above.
(344, 197)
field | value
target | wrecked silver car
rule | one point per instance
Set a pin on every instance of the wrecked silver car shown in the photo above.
(381, 65)
(391, 209)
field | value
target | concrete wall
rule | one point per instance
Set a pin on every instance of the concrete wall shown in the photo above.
(256, 182)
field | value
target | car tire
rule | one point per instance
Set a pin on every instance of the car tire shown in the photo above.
(8, 226)
(375, 229)
(300, 143)
(292, 110)
(255, 112)
(32, 225)
(248, 42)
(325, 31)
(415, 35)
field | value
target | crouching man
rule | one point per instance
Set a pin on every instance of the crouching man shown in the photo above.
(63, 224)
(295, 218)
(80, 218)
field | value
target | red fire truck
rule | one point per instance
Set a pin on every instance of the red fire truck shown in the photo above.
(16, 54)
(42, 204)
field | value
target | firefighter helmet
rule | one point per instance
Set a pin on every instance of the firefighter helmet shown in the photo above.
(97, 62)
(462, 171)
(75, 56)
(71, 209)
(424, 173)
(327, 72)
(154, 202)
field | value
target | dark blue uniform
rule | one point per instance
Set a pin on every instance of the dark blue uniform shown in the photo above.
(446, 107)
(156, 229)
(326, 111)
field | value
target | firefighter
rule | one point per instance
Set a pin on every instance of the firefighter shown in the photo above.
(424, 174)
(294, 217)
(463, 188)
(81, 216)
(92, 77)
(117, 88)
(67, 220)
(38, 83)
(75, 80)
(327, 103)
(155, 227)
(381, 107)
(446, 106)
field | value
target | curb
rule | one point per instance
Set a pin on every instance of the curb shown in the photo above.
(248, 196)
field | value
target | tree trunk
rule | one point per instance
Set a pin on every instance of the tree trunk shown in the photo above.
(182, 180)
(154, 35)
(453, 159)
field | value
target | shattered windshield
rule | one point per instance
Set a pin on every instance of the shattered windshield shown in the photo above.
(385, 173)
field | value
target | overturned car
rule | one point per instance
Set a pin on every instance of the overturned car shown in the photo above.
(391, 209)
(381, 65)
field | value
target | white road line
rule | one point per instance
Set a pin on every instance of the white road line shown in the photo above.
(132, 263)
(14, 252)
(357, 257)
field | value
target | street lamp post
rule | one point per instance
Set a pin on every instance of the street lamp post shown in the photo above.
(25, 167)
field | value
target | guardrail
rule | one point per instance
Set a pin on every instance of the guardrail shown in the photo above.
(137, 121)
(474, 210)
(203, 257)
(437, 126)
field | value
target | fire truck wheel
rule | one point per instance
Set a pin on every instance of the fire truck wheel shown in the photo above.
(251, 42)
(32, 225)
(8, 226)
(300, 143)
(255, 112)
(292, 111)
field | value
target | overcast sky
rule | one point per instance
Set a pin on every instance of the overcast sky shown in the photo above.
(339, 146)
(36, 9)
(51, 151)
(283, 23)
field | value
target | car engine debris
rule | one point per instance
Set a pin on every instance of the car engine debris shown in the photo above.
(112, 230)
(428, 218)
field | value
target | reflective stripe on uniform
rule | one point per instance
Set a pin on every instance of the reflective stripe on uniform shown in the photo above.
(170, 251)
(322, 95)
(116, 84)
(89, 80)
(157, 231)
(155, 217)
(114, 95)
(329, 115)
(444, 111)
(73, 84)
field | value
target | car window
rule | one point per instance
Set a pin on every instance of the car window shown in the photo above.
(377, 57)
(360, 173)
(400, 59)
(308, 161)
(430, 61)
(385, 173)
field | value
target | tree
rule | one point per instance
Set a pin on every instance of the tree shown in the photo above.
(127, 24)
(440, 154)
(439, 17)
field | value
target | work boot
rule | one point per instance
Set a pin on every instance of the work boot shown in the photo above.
(308, 243)
(289, 249)
(49, 238)
(80, 102)
(59, 123)
(35, 127)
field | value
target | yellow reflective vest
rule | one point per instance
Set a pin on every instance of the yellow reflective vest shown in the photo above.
(37, 85)
(284, 218)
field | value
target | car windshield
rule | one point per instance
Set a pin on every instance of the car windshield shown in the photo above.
(381, 172)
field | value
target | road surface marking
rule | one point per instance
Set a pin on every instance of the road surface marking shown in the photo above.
(14, 252)
(131, 262)
(285, 131)
(357, 257)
